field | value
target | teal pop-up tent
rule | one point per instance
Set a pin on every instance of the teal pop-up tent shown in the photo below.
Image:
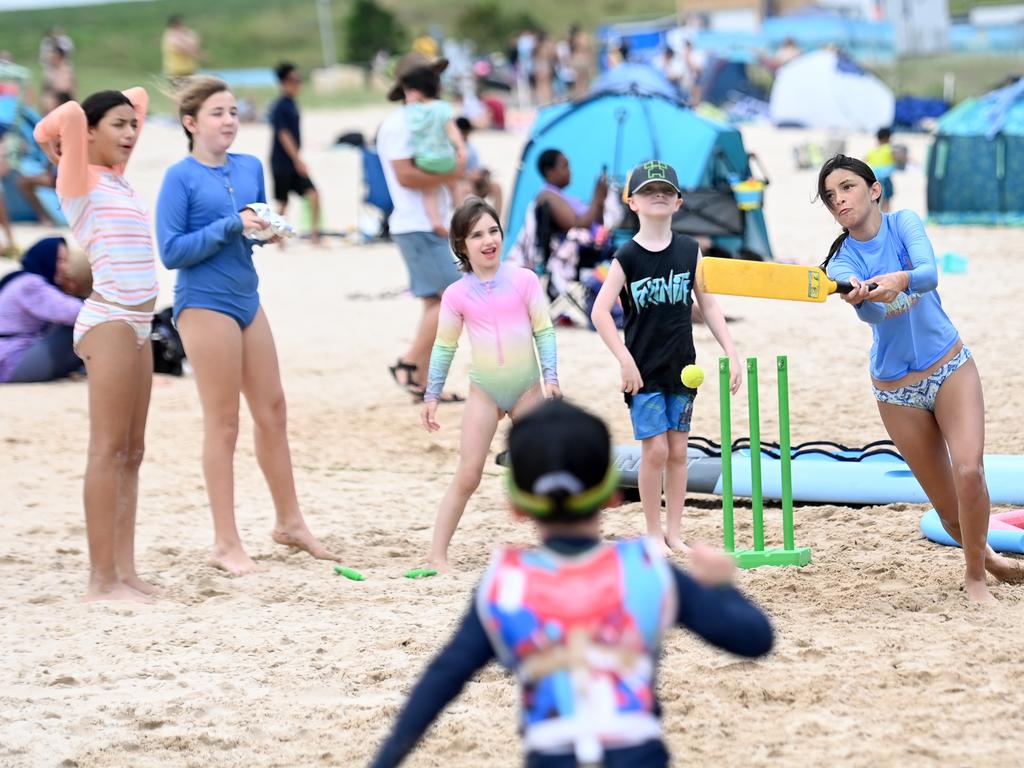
(976, 163)
(613, 131)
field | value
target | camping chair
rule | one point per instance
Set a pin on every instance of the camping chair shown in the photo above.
(562, 260)
(377, 194)
(373, 223)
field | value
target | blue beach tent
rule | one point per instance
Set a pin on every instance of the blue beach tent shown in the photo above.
(977, 161)
(612, 132)
(634, 77)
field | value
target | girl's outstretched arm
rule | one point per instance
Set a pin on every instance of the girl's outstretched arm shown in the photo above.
(715, 321)
(871, 312)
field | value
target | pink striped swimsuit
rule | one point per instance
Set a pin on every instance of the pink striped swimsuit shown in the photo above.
(106, 215)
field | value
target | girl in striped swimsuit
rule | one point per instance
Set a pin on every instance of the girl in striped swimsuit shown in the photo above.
(504, 311)
(91, 144)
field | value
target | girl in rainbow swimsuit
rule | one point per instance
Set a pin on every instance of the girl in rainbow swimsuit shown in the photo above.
(504, 311)
(90, 143)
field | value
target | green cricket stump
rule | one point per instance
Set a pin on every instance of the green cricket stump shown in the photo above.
(789, 553)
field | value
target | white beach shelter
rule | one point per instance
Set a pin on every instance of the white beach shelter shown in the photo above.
(823, 89)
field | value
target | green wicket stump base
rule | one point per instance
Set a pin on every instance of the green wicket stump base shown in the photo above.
(753, 558)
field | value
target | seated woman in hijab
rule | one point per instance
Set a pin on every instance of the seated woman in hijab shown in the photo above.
(38, 307)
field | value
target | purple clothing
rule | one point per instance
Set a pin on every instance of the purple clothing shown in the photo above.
(577, 205)
(28, 305)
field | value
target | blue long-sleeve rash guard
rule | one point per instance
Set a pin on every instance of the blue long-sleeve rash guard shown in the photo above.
(199, 233)
(722, 616)
(912, 332)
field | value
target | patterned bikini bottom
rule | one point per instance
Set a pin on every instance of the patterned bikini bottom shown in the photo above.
(923, 393)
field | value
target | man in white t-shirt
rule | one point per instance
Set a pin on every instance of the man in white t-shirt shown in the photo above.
(427, 256)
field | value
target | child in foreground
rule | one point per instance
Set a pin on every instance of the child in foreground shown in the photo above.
(579, 621)
(655, 273)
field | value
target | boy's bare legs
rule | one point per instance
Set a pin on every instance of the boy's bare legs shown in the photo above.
(432, 205)
(479, 423)
(261, 383)
(213, 343)
(418, 353)
(675, 489)
(653, 460)
(109, 351)
(128, 490)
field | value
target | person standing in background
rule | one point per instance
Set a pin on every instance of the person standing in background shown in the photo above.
(55, 38)
(291, 174)
(181, 48)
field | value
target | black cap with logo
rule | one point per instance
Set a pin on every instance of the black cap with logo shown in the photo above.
(651, 172)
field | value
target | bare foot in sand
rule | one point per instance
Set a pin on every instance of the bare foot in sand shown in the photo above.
(977, 592)
(139, 585)
(677, 545)
(660, 544)
(1007, 570)
(114, 591)
(235, 561)
(439, 564)
(301, 538)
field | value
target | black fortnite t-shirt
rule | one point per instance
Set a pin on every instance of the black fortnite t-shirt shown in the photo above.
(657, 298)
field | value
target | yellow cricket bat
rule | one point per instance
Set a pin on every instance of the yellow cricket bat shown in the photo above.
(767, 280)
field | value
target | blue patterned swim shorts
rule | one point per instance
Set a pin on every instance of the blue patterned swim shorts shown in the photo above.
(923, 393)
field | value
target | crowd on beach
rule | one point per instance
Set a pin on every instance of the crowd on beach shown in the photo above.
(578, 620)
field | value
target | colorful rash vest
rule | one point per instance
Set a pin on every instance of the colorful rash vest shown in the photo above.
(587, 665)
(506, 318)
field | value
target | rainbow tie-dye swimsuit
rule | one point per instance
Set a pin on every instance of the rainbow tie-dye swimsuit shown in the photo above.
(507, 318)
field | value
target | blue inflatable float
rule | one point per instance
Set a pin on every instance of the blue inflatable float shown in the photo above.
(823, 472)
(1005, 531)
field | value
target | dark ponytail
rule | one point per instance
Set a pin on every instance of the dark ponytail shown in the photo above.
(834, 249)
(841, 163)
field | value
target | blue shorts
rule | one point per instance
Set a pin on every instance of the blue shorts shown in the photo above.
(887, 191)
(654, 413)
(430, 262)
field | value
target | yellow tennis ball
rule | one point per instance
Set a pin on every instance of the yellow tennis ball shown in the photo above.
(692, 376)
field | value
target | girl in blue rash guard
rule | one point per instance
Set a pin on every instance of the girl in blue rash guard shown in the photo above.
(201, 223)
(925, 381)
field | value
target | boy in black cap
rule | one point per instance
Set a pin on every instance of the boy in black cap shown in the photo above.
(579, 621)
(654, 272)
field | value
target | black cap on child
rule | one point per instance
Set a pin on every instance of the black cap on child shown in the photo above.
(560, 463)
(651, 172)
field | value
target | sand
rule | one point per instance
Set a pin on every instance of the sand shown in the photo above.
(879, 658)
